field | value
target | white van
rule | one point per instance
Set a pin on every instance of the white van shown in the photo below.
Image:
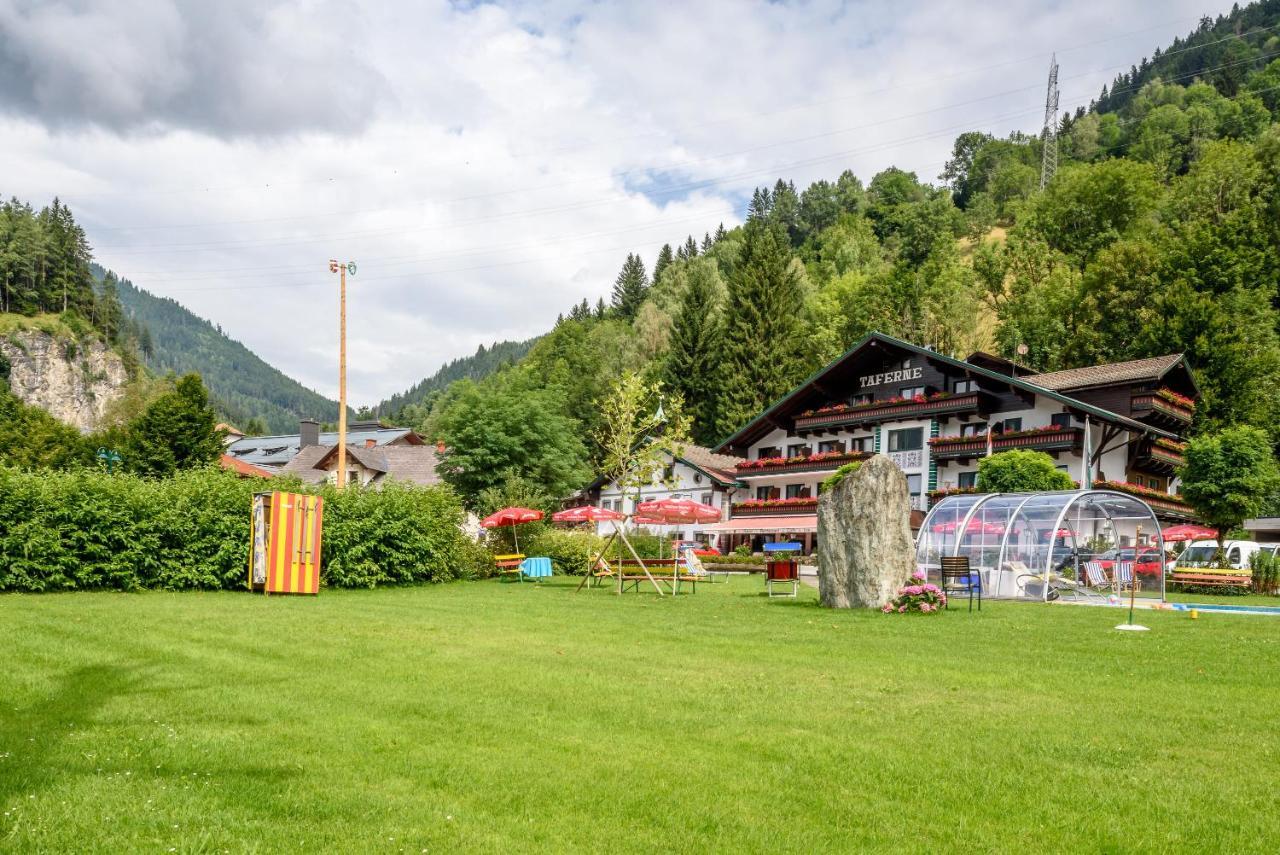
(1201, 552)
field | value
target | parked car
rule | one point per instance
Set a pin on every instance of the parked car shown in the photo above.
(1148, 560)
(1238, 554)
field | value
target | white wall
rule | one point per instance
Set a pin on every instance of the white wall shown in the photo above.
(688, 483)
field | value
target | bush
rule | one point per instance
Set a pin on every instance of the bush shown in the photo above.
(920, 596)
(1021, 472)
(834, 479)
(86, 529)
(569, 551)
(1266, 572)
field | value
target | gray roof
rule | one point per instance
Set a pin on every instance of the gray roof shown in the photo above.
(277, 450)
(721, 467)
(412, 464)
(1132, 371)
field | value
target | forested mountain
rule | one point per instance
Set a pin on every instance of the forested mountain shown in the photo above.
(245, 390)
(417, 400)
(1159, 233)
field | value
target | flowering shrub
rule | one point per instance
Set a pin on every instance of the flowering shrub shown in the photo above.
(919, 596)
(942, 493)
(1139, 490)
(836, 409)
(1012, 434)
(818, 457)
(798, 502)
(1174, 398)
(1170, 444)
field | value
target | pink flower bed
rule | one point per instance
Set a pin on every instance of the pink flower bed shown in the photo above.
(920, 596)
(836, 409)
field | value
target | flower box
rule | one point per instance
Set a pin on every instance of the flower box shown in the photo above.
(1167, 502)
(771, 507)
(1163, 403)
(819, 462)
(939, 403)
(1047, 438)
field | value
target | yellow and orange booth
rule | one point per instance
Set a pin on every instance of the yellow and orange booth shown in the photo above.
(284, 553)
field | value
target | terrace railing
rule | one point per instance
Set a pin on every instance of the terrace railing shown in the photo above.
(774, 507)
(878, 411)
(820, 462)
(1168, 408)
(1048, 440)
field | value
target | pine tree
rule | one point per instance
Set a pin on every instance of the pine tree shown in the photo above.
(760, 204)
(706, 242)
(762, 344)
(690, 247)
(175, 432)
(631, 286)
(665, 257)
(721, 234)
(693, 362)
(601, 308)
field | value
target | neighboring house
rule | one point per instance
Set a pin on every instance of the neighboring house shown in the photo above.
(274, 452)
(698, 474)
(1264, 529)
(367, 465)
(937, 416)
(231, 433)
(244, 470)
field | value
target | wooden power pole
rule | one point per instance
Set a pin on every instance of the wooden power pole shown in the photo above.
(341, 270)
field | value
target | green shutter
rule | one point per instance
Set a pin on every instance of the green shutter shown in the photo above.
(876, 442)
(933, 465)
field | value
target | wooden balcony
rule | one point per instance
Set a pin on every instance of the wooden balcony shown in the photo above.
(1050, 441)
(821, 462)
(865, 414)
(1150, 407)
(775, 507)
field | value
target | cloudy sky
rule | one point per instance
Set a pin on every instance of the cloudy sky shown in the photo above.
(489, 164)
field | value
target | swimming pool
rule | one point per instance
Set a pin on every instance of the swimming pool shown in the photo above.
(1222, 607)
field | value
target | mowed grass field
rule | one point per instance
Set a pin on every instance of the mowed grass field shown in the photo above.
(505, 718)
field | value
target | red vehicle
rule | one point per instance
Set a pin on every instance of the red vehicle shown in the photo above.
(1149, 561)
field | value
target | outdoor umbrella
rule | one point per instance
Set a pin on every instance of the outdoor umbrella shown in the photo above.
(586, 513)
(511, 517)
(666, 512)
(1187, 531)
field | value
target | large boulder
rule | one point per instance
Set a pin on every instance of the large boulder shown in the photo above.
(865, 551)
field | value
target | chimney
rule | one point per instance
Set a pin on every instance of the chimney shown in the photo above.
(309, 432)
(370, 443)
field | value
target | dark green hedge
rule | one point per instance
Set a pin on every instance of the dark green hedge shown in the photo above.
(82, 530)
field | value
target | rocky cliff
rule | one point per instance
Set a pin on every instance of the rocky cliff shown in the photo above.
(73, 379)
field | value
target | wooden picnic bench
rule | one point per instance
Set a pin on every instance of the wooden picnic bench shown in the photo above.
(1211, 580)
(670, 577)
(509, 565)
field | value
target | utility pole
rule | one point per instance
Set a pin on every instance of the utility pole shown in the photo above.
(342, 270)
(1049, 162)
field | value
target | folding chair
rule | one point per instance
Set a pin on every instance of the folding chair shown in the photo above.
(956, 576)
(1096, 576)
(1123, 579)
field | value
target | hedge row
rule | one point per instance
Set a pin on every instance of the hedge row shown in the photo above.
(83, 530)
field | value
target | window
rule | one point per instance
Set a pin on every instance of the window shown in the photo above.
(914, 483)
(1010, 425)
(797, 491)
(973, 429)
(771, 451)
(907, 439)
(707, 498)
(768, 493)
(968, 479)
(964, 387)
(861, 443)
(906, 363)
(1233, 557)
(865, 398)
(797, 451)
(831, 445)
(1062, 420)
(697, 477)
(911, 391)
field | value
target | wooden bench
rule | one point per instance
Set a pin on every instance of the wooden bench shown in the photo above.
(509, 565)
(1211, 580)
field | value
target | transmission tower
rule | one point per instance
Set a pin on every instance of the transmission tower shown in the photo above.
(1049, 163)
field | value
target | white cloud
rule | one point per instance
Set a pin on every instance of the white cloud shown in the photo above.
(488, 166)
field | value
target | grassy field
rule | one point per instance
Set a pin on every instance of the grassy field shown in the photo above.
(504, 718)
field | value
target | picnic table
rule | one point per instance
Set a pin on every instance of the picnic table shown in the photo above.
(536, 568)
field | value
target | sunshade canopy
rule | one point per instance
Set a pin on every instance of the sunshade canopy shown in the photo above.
(586, 513)
(665, 511)
(511, 516)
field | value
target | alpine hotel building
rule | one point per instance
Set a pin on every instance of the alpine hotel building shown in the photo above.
(1117, 426)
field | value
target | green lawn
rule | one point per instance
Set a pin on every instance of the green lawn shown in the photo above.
(503, 718)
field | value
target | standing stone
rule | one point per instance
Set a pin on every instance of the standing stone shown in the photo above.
(865, 550)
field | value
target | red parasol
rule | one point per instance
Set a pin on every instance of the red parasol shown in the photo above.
(511, 517)
(1187, 531)
(665, 511)
(586, 513)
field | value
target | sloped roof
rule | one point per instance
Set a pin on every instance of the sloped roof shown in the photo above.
(245, 470)
(413, 464)
(303, 465)
(279, 449)
(1133, 371)
(720, 467)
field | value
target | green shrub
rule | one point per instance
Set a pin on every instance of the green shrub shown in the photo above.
(86, 529)
(1021, 471)
(832, 480)
(1266, 572)
(569, 551)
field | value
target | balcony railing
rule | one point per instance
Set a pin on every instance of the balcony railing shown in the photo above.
(774, 507)
(957, 448)
(1164, 504)
(820, 462)
(936, 405)
(1152, 405)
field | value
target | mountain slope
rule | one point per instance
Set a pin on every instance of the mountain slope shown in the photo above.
(479, 365)
(242, 385)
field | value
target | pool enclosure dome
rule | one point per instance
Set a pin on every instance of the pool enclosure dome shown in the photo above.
(1017, 541)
